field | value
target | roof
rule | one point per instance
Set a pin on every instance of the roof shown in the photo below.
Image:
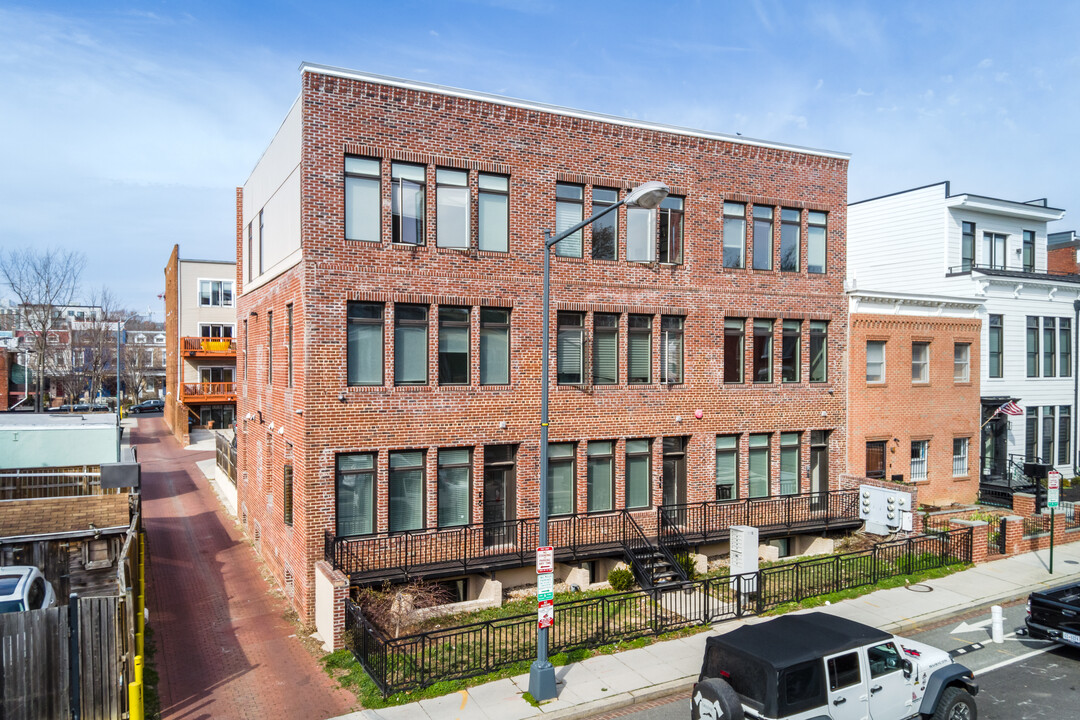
(792, 639)
(1022, 275)
(51, 516)
(55, 420)
(556, 109)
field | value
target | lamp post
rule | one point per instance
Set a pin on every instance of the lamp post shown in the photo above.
(647, 196)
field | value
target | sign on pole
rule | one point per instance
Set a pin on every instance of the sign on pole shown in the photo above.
(545, 559)
(545, 616)
(545, 586)
(1053, 486)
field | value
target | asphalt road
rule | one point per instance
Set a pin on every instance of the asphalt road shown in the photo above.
(1019, 679)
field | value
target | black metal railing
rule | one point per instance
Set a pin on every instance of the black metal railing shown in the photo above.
(421, 659)
(636, 545)
(670, 540)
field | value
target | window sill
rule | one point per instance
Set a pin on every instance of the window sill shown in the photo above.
(373, 243)
(962, 383)
(961, 478)
(877, 384)
(920, 383)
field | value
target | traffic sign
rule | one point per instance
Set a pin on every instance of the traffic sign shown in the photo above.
(545, 586)
(545, 616)
(545, 559)
(1053, 486)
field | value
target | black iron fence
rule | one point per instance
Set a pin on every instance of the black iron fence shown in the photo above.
(421, 659)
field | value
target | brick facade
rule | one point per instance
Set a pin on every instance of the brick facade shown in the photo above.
(175, 413)
(1062, 260)
(322, 416)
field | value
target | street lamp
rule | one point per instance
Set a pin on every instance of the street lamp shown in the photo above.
(647, 196)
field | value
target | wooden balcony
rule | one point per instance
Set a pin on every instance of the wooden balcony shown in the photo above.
(209, 392)
(208, 347)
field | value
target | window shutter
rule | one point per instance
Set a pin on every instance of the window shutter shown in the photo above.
(567, 215)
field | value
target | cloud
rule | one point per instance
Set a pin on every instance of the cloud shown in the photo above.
(820, 84)
(985, 63)
(862, 93)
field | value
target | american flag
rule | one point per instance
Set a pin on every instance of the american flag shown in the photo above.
(1010, 408)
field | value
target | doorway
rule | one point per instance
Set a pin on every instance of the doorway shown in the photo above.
(499, 495)
(995, 432)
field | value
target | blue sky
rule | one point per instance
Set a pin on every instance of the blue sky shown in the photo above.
(125, 127)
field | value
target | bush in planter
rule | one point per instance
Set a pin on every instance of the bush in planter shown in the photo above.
(621, 578)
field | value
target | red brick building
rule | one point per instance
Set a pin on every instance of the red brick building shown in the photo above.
(389, 274)
(1062, 252)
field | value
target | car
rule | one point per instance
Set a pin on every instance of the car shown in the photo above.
(23, 587)
(816, 666)
(148, 406)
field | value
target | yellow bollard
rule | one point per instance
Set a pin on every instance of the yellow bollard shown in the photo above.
(138, 669)
(135, 701)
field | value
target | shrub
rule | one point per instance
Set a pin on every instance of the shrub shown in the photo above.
(686, 562)
(621, 579)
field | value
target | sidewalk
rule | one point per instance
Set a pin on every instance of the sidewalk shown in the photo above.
(608, 682)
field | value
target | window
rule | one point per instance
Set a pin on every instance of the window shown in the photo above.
(568, 205)
(1049, 341)
(410, 345)
(408, 202)
(727, 467)
(245, 350)
(671, 349)
(600, 487)
(875, 459)
(261, 253)
(270, 347)
(671, 230)
(1065, 347)
(763, 342)
(918, 460)
(758, 477)
(790, 229)
(884, 659)
(494, 346)
(789, 463)
(560, 478)
(1047, 434)
(639, 349)
(605, 231)
(453, 346)
(875, 361)
(362, 199)
(212, 330)
(640, 235)
(791, 352)
(355, 494)
(250, 256)
(734, 235)
(1031, 434)
(920, 362)
(494, 212)
(570, 361)
(819, 354)
(1029, 251)
(996, 346)
(365, 344)
(451, 208)
(815, 241)
(1064, 435)
(289, 340)
(454, 486)
(605, 365)
(406, 486)
(961, 362)
(638, 473)
(763, 217)
(287, 494)
(994, 250)
(734, 349)
(215, 293)
(673, 482)
(960, 457)
(1033, 347)
(967, 246)
(843, 671)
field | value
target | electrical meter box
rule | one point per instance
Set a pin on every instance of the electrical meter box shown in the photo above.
(883, 510)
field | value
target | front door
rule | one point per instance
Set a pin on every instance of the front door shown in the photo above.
(499, 495)
(889, 689)
(673, 481)
(994, 444)
(847, 691)
(819, 466)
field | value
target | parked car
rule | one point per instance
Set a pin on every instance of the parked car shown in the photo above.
(148, 406)
(1055, 615)
(23, 587)
(819, 666)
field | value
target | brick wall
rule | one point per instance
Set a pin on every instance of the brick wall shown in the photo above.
(50, 515)
(1062, 260)
(175, 413)
(6, 360)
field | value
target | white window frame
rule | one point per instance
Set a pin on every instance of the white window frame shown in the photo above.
(960, 461)
(920, 368)
(880, 378)
(965, 365)
(918, 465)
(232, 292)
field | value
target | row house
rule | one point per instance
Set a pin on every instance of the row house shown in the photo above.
(389, 278)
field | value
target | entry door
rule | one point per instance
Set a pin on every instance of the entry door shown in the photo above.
(847, 693)
(499, 496)
(819, 468)
(994, 446)
(674, 474)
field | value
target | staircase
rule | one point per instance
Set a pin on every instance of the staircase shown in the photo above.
(653, 564)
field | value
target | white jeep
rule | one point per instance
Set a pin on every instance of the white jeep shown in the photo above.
(815, 666)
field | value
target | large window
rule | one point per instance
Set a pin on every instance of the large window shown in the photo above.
(875, 459)
(1033, 347)
(408, 202)
(791, 352)
(734, 235)
(355, 494)
(451, 208)
(758, 477)
(453, 346)
(570, 361)
(568, 207)
(605, 365)
(639, 349)
(918, 460)
(763, 350)
(1065, 347)
(960, 457)
(875, 361)
(734, 349)
(362, 199)
(494, 212)
(961, 362)
(640, 235)
(920, 362)
(601, 476)
(1048, 434)
(605, 231)
(1049, 346)
(406, 486)
(638, 473)
(1029, 250)
(790, 232)
(994, 250)
(560, 478)
(967, 246)
(671, 349)
(215, 293)
(789, 463)
(455, 486)
(365, 344)
(815, 241)
(410, 344)
(215, 330)
(727, 467)
(763, 240)
(671, 230)
(819, 353)
(1031, 433)
(1064, 435)
(996, 346)
(494, 346)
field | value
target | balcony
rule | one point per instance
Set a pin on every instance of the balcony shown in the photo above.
(208, 347)
(207, 392)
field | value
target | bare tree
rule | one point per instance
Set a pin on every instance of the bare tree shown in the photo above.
(94, 339)
(43, 281)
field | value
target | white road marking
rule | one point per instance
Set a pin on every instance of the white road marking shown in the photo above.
(1016, 659)
(968, 627)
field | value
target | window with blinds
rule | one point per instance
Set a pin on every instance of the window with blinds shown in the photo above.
(605, 365)
(639, 349)
(1033, 347)
(454, 486)
(569, 350)
(1048, 434)
(493, 216)
(1049, 346)
(451, 208)
(600, 486)
(734, 349)
(362, 201)
(789, 463)
(1031, 434)
(406, 491)
(569, 200)
(560, 478)
(410, 344)
(727, 467)
(875, 459)
(408, 201)
(365, 344)
(875, 361)
(355, 494)
(758, 469)
(453, 346)
(1064, 435)
(494, 346)
(638, 473)
(1065, 347)
(671, 349)
(997, 347)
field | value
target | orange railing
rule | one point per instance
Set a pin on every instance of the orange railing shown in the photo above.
(212, 345)
(196, 391)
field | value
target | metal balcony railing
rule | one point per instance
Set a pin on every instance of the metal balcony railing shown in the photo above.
(208, 345)
(208, 390)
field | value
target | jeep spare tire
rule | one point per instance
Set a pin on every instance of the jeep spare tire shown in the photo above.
(713, 699)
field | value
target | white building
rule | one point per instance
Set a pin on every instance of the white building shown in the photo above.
(930, 241)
